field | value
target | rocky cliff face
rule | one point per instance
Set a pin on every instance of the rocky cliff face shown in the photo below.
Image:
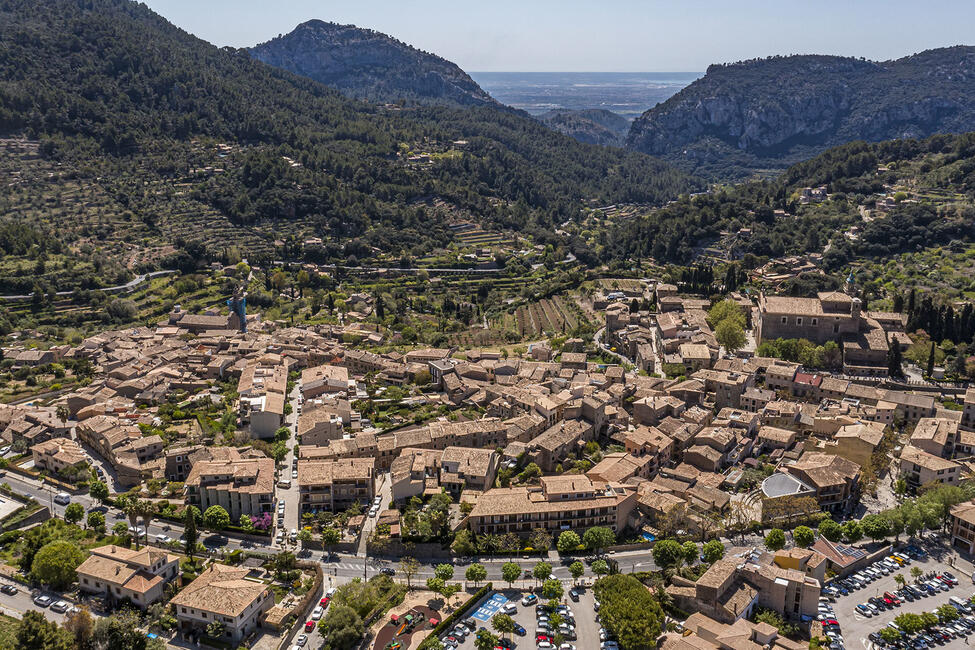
(772, 110)
(369, 65)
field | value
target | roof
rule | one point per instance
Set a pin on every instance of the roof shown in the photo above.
(911, 454)
(221, 590)
(781, 484)
(871, 433)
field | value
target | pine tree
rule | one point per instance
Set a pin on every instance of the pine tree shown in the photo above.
(931, 360)
(894, 360)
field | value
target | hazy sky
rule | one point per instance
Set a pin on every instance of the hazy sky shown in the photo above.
(601, 35)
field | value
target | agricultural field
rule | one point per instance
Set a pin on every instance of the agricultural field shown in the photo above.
(558, 315)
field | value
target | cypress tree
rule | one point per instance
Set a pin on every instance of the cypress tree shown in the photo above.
(931, 360)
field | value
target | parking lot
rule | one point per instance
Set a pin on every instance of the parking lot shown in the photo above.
(855, 627)
(586, 627)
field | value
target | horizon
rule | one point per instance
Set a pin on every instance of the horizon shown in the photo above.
(624, 36)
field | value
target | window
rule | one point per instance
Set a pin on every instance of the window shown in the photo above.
(799, 320)
(784, 320)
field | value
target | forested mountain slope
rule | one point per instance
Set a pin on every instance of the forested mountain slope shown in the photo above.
(180, 134)
(936, 207)
(594, 126)
(366, 64)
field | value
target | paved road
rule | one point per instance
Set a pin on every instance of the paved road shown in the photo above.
(597, 338)
(119, 288)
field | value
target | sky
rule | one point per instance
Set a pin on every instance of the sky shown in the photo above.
(601, 35)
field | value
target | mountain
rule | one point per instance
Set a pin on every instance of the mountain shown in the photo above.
(593, 126)
(369, 65)
(189, 151)
(771, 112)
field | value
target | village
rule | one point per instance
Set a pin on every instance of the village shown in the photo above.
(218, 453)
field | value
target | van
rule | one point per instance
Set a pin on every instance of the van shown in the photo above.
(62, 498)
(285, 483)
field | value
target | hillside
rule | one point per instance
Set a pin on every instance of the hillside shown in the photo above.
(901, 197)
(593, 126)
(770, 112)
(369, 65)
(134, 145)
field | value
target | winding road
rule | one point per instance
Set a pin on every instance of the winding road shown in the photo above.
(119, 288)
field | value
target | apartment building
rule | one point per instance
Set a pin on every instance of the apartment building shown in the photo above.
(918, 468)
(573, 502)
(241, 487)
(334, 485)
(963, 526)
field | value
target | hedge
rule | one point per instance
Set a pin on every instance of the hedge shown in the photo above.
(457, 615)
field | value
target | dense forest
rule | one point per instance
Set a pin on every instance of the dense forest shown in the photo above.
(367, 64)
(96, 79)
(854, 174)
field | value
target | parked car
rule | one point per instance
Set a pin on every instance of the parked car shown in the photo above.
(60, 607)
(10, 590)
(43, 601)
(530, 599)
(309, 626)
(301, 640)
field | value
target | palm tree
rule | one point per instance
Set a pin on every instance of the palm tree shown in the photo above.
(132, 510)
(147, 510)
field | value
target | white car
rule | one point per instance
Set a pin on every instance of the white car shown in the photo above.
(137, 530)
(60, 607)
(567, 646)
(301, 640)
(373, 511)
(294, 473)
(330, 592)
(377, 501)
(164, 539)
(317, 613)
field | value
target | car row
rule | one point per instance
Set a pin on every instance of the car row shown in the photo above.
(831, 626)
(547, 626)
(863, 577)
(374, 509)
(934, 584)
(940, 634)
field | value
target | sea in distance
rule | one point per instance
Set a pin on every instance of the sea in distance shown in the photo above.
(627, 93)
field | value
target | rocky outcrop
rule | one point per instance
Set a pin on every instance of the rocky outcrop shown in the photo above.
(771, 108)
(370, 65)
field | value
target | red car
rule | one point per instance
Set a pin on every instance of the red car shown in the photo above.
(309, 626)
(892, 597)
(541, 637)
(324, 602)
(832, 621)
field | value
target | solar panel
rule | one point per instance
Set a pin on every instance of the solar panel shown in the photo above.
(856, 553)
